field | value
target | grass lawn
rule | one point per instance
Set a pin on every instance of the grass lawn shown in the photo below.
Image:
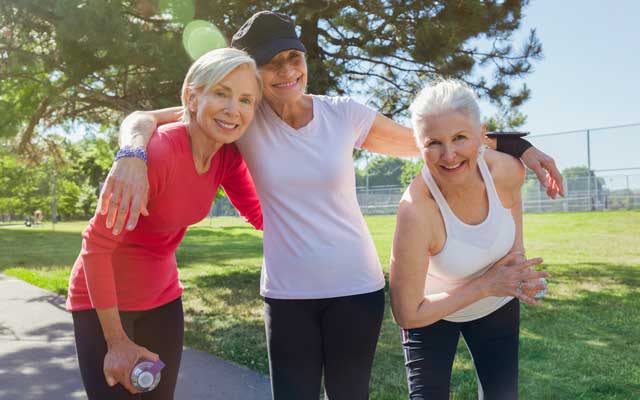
(582, 342)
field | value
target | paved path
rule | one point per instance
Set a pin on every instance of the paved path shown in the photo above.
(38, 360)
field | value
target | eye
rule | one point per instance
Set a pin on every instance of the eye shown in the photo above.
(247, 101)
(220, 93)
(433, 143)
(459, 137)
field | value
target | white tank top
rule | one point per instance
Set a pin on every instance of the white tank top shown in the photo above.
(470, 250)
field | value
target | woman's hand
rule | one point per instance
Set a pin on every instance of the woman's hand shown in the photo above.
(545, 169)
(513, 276)
(529, 288)
(125, 189)
(121, 357)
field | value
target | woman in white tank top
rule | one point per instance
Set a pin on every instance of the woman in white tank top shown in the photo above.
(456, 220)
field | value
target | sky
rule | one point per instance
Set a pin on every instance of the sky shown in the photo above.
(587, 79)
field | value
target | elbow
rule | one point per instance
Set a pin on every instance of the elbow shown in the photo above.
(405, 317)
(407, 321)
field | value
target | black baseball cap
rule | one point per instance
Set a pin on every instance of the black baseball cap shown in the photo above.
(266, 34)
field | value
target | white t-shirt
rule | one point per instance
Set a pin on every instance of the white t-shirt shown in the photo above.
(316, 243)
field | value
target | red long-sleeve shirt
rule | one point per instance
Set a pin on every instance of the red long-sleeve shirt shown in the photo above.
(136, 270)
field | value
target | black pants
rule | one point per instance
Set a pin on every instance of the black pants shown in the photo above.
(161, 330)
(336, 335)
(492, 341)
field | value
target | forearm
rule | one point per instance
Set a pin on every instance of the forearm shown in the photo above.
(390, 138)
(111, 325)
(516, 212)
(137, 128)
(437, 306)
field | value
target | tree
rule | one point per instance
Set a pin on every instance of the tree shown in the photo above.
(385, 171)
(507, 118)
(93, 60)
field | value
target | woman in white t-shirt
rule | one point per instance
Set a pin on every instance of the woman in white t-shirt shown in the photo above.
(321, 278)
(460, 216)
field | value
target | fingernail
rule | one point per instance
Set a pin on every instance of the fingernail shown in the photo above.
(129, 227)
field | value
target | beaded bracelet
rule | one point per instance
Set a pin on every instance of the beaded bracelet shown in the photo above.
(130, 152)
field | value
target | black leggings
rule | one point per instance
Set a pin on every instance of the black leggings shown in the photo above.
(492, 341)
(338, 335)
(161, 330)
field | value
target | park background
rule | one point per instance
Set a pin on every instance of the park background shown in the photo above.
(70, 70)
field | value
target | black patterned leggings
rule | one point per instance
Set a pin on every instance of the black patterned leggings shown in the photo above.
(160, 330)
(335, 336)
(492, 341)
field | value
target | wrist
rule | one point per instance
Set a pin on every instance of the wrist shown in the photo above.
(513, 146)
(135, 152)
(115, 338)
(481, 287)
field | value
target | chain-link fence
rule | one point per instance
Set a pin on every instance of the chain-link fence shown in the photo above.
(595, 193)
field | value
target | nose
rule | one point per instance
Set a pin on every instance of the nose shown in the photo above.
(232, 107)
(449, 153)
(285, 70)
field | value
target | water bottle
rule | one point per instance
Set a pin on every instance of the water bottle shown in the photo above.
(541, 293)
(145, 375)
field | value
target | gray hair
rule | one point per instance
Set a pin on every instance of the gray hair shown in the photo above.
(444, 95)
(211, 68)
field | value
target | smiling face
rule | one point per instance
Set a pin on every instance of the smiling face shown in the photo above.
(449, 146)
(223, 112)
(284, 78)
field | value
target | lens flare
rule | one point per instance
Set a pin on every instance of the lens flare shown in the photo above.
(200, 37)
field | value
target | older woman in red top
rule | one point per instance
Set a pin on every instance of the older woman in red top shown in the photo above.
(124, 291)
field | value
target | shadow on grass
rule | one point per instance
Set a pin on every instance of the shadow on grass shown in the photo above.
(47, 249)
(233, 287)
(242, 342)
(218, 246)
(37, 249)
(581, 342)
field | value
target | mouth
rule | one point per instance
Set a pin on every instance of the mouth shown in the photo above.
(225, 125)
(287, 85)
(454, 167)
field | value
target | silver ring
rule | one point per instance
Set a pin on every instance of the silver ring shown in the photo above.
(519, 289)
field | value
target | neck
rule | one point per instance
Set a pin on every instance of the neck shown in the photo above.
(472, 186)
(297, 113)
(202, 147)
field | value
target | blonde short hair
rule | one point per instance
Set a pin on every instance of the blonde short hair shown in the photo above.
(211, 68)
(442, 96)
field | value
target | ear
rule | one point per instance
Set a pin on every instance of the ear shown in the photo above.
(192, 100)
(484, 130)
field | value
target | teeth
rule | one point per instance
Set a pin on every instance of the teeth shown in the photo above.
(453, 166)
(286, 85)
(225, 125)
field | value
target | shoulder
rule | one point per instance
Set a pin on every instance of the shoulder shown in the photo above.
(167, 139)
(165, 147)
(418, 213)
(507, 171)
(339, 103)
